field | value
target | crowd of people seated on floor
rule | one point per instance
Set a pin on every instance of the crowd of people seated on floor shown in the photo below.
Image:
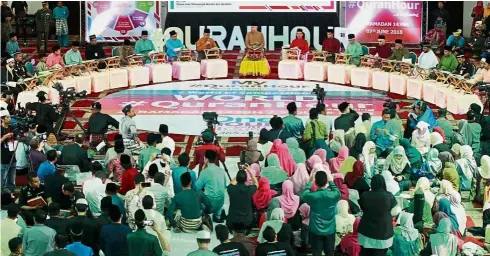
(350, 187)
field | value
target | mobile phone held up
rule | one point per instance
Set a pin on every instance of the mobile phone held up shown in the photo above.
(242, 166)
(148, 223)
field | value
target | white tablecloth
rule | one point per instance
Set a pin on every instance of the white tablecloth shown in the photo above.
(138, 75)
(339, 73)
(30, 96)
(215, 68)
(67, 82)
(381, 80)
(361, 76)
(415, 88)
(83, 82)
(459, 102)
(316, 70)
(160, 73)
(291, 69)
(100, 81)
(187, 70)
(429, 91)
(442, 90)
(118, 78)
(398, 84)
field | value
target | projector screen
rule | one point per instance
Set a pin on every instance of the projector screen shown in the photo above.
(252, 6)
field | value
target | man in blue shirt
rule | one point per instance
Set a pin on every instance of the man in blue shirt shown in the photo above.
(178, 171)
(173, 45)
(47, 167)
(456, 41)
(381, 136)
(76, 232)
(292, 123)
(113, 240)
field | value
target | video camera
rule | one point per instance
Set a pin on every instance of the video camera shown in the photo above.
(390, 104)
(320, 93)
(211, 119)
(69, 94)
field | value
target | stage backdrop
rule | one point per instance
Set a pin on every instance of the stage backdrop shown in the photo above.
(114, 21)
(394, 19)
(230, 24)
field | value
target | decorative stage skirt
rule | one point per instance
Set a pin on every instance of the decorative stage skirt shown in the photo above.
(254, 67)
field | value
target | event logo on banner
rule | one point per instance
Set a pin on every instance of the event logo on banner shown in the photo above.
(242, 105)
(114, 21)
(394, 19)
(247, 6)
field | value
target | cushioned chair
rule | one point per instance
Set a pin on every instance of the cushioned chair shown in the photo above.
(365, 50)
(114, 51)
(413, 56)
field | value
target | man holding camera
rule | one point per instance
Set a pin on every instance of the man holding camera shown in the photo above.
(7, 142)
(45, 113)
(208, 139)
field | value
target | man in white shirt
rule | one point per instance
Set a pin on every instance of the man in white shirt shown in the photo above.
(167, 142)
(427, 58)
(156, 217)
(94, 191)
(10, 228)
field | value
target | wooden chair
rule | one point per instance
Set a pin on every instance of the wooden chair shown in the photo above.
(113, 62)
(213, 53)
(367, 61)
(320, 56)
(158, 58)
(293, 54)
(342, 58)
(91, 65)
(255, 54)
(185, 55)
(135, 60)
(388, 65)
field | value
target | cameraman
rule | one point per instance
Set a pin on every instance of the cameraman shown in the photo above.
(98, 124)
(7, 142)
(45, 112)
(208, 139)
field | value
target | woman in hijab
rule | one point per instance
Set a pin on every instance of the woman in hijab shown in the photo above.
(437, 142)
(252, 155)
(431, 167)
(438, 216)
(466, 167)
(263, 195)
(300, 178)
(338, 140)
(264, 144)
(376, 227)
(273, 172)
(446, 157)
(296, 152)
(349, 244)
(344, 221)
(455, 151)
(424, 185)
(406, 241)
(477, 13)
(336, 162)
(285, 159)
(322, 153)
(445, 190)
(442, 242)
(441, 132)
(313, 160)
(359, 142)
(391, 185)
(451, 174)
(445, 207)
(338, 179)
(347, 165)
(458, 210)
(397, 163)
(471, 132)
(304, 211)
(289, 201)
(421, 210)
(413, 155)
(283, 230)
(421, 137)
(255, 171)
(369, 159)
(356, 179)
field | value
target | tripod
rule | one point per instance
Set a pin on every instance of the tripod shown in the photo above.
(26, 147)
(65, 110)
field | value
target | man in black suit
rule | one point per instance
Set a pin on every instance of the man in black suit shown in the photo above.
(54, 184)
(75, 155)
(55, 220)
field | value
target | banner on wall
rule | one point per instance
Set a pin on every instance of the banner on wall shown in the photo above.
(394, 19)
(114, 21)
(247, 6)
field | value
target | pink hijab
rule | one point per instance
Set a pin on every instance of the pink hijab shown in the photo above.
(338, 179)
(304, 211)
(285, 158)
(336, 162)
(300, 178)
(289, 201)
(255, 170)
(315, 159)
(322, 153)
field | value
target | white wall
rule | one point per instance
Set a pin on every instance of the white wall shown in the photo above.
(32, 6)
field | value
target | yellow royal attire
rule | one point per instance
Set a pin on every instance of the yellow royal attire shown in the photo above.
(254, 40)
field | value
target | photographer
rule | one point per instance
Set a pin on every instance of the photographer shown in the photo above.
(45, 112)
(208, 139)
(7, 142)
(347, 118)
(98, 124)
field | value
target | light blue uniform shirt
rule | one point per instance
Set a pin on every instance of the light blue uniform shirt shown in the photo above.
(294, 125)
(213, 180)
(38, 240)
(172, 44)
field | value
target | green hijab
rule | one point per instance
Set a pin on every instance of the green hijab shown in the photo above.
(297, 153)
(413, 155)
(347, 165)
(421, 209)
(273, 171)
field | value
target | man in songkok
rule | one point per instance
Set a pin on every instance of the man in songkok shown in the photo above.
(383, 50)
(354, 49)
(204, 43)
(300, 42)
(173, 45)
(427, 58)
(94, 51)
(254, 38)
(331, 45)
(400, 52)
(124, 51)
(448, 61)
(456, 41)
(483, 73)
(73, 56)
(464, 68)
(60, 15)
(144, 46)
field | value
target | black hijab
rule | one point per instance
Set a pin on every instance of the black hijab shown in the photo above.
(359, 142)
(378, 183)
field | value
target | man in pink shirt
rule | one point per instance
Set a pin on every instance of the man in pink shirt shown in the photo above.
(55, 58)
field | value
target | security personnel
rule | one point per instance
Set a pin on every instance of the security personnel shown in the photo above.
(94, 51)
(45, 113)
(98, 124)
(19, 67)
(33, 189)
(465, 68)
(43, 20)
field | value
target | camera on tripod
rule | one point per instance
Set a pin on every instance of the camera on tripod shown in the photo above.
(69, 93)
(211, 119)
(319, 92)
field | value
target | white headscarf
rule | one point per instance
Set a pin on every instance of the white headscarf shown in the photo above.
(424, 184)
(467, 162)
(408, 231)
(338, 140)
(445, 189)
(344, 221)
(436, 138)
(391, 185)
(421, 136)
(369, 159)
(458, 210)
(397, 165)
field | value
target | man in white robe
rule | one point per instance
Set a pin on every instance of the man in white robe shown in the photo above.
(427, 58)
